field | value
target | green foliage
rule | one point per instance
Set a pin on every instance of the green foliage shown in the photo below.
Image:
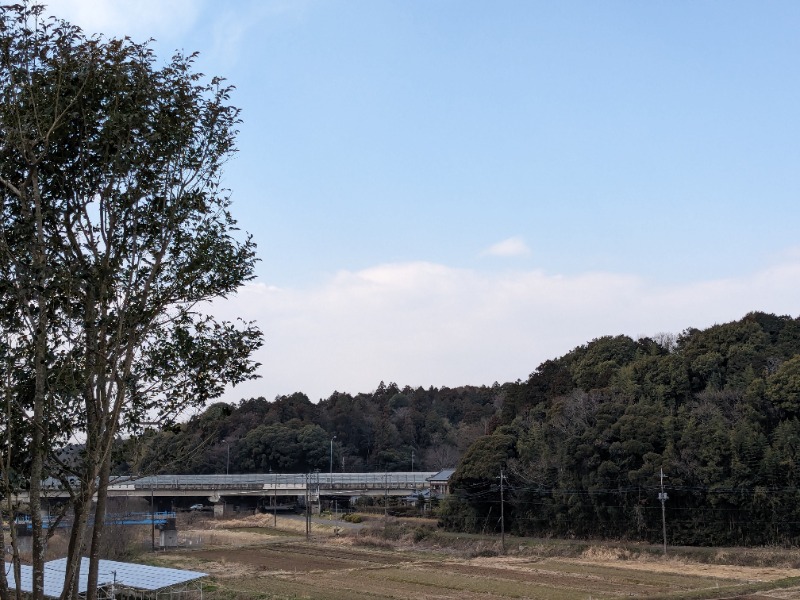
(717, 411)
(596, 364)
(116, 237)
(485, 458)
(457, 513)
(783, 387)
(475, 506)
(378, 431)
(582, 442)
(352, 518)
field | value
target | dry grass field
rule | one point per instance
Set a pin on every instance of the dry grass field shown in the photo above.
(250, 559)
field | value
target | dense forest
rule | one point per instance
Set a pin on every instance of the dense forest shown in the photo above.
(382, 431)
(581, 443)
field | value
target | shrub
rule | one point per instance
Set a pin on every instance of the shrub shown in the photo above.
(422, 532)
(352, 518)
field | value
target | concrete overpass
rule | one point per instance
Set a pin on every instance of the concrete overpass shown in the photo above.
(296, 485)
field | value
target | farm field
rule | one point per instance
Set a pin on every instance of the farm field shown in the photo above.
(267, 566)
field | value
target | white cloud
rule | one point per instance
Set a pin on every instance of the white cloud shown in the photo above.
(218, 31)
(142, 19)
(513, 246)
(428, 324)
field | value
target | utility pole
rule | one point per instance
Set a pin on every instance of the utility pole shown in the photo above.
(152, 519)
(502, 515)
(663, 498)
(228, 459)
(308, 509)
(275, 503)
(386, 495)
(319, 496)
(331, 479)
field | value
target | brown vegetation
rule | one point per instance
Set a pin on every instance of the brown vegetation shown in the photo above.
(413, 560)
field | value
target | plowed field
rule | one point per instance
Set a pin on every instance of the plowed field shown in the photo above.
(334, 569)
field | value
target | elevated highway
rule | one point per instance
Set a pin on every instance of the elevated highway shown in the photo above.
(296, 485)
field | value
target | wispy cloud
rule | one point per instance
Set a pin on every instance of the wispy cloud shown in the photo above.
(218, 30)
(232, 24)
(513, 246)
(429, 324)
(141, 20)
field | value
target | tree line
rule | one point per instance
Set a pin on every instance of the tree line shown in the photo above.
(389, 429)
(582, 441)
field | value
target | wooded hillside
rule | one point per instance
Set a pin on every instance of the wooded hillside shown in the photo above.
(581, 441)
(584, 439)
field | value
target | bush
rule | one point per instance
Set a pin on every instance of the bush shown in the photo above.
(352, 518)
(422, 532)
(456, 514)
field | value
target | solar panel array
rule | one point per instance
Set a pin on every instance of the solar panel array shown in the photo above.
(111, 572)
(53, 580)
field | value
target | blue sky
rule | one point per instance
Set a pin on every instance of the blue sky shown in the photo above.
(449, 192)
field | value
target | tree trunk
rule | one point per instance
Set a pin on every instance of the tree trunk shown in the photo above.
(97, 531)
(39, 435)
(80, 508)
